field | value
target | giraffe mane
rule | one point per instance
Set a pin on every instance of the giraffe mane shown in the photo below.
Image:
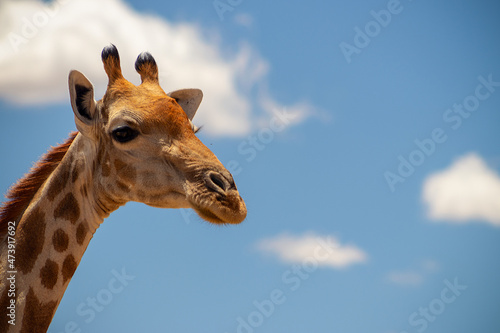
(22, 192)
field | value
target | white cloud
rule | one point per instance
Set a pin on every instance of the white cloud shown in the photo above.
(467, 191)
(41, 42)
(326, 251)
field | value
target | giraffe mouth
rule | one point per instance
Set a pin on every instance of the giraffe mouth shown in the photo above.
(232, 211)
(208, 215)
(217, 199)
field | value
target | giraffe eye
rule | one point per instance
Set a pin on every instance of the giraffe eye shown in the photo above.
(124, 134)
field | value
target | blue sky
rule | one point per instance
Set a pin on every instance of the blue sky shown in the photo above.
(360, 134)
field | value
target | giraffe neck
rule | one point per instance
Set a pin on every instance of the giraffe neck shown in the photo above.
(50, 240)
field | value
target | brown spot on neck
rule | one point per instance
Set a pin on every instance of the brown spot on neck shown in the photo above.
(58, 183)
(31, 235)
(37, 315)
(49, 273)
(68, 268)
(60, 240)
(81, 232)
(68, 209)
(75, 174)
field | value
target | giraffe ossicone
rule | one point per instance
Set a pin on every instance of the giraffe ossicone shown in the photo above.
(135, 144)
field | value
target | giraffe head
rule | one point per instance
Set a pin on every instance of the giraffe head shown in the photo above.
(144, 148)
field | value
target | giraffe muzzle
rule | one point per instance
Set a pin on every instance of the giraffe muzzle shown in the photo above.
(219, 201)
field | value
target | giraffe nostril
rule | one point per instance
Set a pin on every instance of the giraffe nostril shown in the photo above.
(216, 182)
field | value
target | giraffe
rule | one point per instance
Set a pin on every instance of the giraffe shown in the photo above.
(135, 144)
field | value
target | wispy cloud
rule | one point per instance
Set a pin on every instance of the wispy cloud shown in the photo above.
(244, 20)
(41, 42)
(326, 251)
(414, 276)
(405, 278)
(465, 192)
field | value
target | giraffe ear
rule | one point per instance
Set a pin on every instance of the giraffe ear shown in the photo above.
(81, 93)
(188, 99)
